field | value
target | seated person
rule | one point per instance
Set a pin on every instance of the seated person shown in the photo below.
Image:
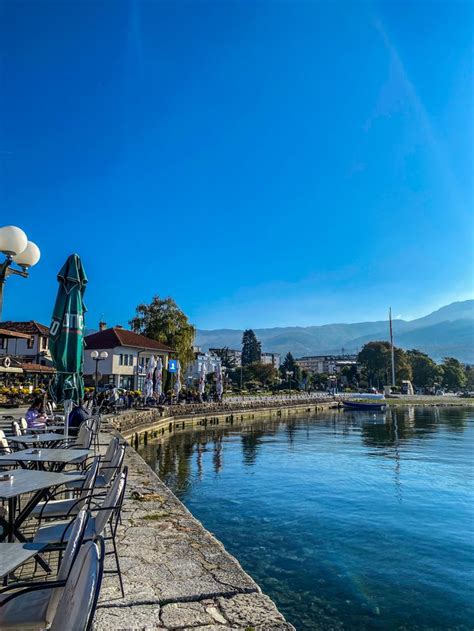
(35, 416)
(78, 415)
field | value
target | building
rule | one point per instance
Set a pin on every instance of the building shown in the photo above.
(234, 355)
(24, 353)
(31, 347)
(273, 359)
(328, 364)
(193, 371)
(128, 357)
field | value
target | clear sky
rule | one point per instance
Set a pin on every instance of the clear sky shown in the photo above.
(264, 163)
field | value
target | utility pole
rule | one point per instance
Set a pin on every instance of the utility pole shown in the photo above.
(391, 346)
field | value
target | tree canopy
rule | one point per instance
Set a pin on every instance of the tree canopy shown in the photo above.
(162, 320)
(251, 348)
(375, 357)
(425, 371)
(226, 356)
(454, 376)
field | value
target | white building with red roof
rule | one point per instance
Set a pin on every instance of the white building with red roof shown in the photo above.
(128, 356)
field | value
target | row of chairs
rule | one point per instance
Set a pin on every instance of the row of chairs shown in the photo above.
(60, 519)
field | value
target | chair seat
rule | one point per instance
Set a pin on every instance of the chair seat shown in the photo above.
(54, 508)
(26, 612)
(77, 484)
(52, 533)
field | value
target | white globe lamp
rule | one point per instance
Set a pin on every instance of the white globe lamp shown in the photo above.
(13, 240)
(29, 257)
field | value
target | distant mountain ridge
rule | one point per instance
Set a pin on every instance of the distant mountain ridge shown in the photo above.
(448, 331)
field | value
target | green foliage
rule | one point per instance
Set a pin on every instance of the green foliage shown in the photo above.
(257, 374)
(162, 320)
(226, 356)
(425, 371)
(454, 376)
(251, 348)
(375, 357)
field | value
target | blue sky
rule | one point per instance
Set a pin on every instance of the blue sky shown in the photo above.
(264, 163)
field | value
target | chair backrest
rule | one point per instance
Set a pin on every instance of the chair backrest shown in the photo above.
(115, 465)
(111, 447)
(89, 481)
(4, 446)
(16, 428)
(78, 601)
(23, 425)
(84, 436)
(76, 537)
(111, 502)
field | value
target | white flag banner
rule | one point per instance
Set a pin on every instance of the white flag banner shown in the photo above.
(177, 385)
(159, 377)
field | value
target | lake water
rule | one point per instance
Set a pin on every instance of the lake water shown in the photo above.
(348, 520)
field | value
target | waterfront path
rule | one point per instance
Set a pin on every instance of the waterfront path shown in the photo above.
(176, 574)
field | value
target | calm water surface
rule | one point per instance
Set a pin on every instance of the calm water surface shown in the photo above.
(346, 519)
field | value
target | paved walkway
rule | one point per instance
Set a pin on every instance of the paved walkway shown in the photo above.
(176, 574)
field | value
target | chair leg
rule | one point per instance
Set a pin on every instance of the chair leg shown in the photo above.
(119, 572)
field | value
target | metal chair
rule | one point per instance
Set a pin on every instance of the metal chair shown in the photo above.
(33, 604)
(110, 464)
(108, 513)
(57, 508)
(76, 608)
(16, 430)
(23, 425)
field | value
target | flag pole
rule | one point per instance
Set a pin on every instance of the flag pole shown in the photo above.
(391, 346)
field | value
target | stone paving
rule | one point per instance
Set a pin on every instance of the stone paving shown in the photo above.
(176, 574)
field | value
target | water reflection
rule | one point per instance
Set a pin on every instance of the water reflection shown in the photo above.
(385, 432)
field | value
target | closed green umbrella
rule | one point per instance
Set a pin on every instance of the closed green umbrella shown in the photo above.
(66, 334)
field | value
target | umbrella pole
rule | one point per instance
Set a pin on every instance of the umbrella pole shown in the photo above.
(67, 411)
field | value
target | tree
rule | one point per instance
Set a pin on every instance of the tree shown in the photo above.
(162, 320)
(375, 358)
(226, 356)
(289, 365)
(251, 348)
(454, 376)
(425, 371)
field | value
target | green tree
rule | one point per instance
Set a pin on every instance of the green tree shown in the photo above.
(251, 348)
(469, 370)
(289, 365)
(226, 356)
(376, 359)
(162, 320)
(454, 375)
(425, 371)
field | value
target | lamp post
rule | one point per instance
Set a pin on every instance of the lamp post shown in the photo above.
(16, 248)
(289, 374)
(98, 357)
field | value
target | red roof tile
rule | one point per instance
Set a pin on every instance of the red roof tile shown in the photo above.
(32, 327)
(113, 337)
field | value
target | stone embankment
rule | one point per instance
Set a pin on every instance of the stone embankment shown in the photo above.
(176, 574)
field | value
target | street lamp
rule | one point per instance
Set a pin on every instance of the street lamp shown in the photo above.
(289, 374)
(98, 357)
(17, 249)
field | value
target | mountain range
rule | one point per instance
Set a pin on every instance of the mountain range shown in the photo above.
(447, 332)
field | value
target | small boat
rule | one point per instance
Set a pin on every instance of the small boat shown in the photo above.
(375, 405)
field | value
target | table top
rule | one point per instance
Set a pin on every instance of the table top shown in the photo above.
(30, 480)
(14, 554)
(63, 456)
(47, 437)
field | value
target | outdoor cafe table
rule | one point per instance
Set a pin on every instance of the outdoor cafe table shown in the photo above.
(59, 458)
(26, 481)
(12, 555)
(37, 439)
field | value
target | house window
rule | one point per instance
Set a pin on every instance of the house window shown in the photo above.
(31, 341)
(120, 359)
(130, 359)
(3, 342)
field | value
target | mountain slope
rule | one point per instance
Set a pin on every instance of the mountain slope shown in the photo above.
(447, 331)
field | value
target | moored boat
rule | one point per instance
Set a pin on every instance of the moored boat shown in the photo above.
(375, 405)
